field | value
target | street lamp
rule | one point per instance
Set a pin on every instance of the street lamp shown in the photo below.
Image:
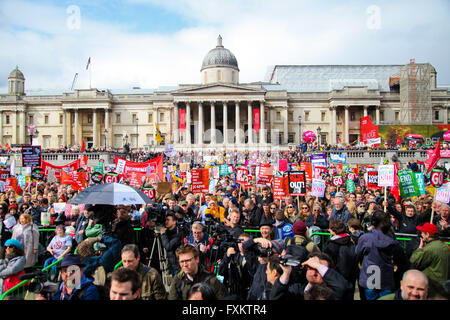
(300, 129)
(31, 132)
(318, 135)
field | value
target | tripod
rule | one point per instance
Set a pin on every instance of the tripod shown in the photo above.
(162, 257)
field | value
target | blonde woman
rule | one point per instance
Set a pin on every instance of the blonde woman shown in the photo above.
(290, 212)
(27, 233)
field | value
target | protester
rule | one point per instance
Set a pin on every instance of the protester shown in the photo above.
(125, 285)
(12, 264)
(27, 233)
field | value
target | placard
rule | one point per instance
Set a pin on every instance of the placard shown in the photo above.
(242, 175)
(318, 188)
(386, 176)
(407, 184)
(297, 183)
(443, 194)
(280, 188)
(200, 180)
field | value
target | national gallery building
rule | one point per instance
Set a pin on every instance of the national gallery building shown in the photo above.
(221, 113)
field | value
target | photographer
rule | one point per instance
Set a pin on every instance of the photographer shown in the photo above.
(215, 210)
(252, 213)
(122, 228)
(201, 240)
(237, 268)
(171, 239)
(233, 223)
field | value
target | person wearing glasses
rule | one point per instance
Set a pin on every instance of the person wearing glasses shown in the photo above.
(268, 215)
(305, 211)
(192, 272)
(199, 239)
(291, 213)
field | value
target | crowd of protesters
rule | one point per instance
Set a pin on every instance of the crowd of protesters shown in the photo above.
(232, 243)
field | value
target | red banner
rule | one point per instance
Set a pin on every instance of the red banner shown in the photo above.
(73, 166)
(182, 120)
(256, 118)
(434, 158)
(280, 188)
(152, 167)
(200, 180)
(367, 129)
(307, 167)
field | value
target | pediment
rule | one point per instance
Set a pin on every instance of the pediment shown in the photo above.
(217, 89)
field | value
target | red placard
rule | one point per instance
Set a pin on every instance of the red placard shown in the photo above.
(242, 175)
(307, 167)
(280, 188)
(265, 173)
(318, 170)
(200, 180)
(256, 119)
(338, 181)
(372, 180)
(150, 192)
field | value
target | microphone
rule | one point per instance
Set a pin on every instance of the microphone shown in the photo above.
(32, 275)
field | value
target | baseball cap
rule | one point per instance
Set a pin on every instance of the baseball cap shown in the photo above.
(360, 203)
(428, 228)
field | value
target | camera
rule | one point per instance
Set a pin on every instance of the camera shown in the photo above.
(39, 283)
(288, 260)
(157, 213)
(263, 252)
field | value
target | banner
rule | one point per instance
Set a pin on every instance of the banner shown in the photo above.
(367, 129)
(407, 184)
(200, 180)
(182, 120)
(73, 166)
(420, 182)
(386, 176)
(256, 117)
(31, 156)
(319, 159)
(372, 180)
(297, 183)
(283, 165)
(280, 188)
(443, 194)
(318, 188)
(307, 167)
(338, 158)
(111, 177)
(126, 167)
(241, 175)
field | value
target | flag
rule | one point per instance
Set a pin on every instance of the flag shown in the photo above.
(83, 147)
(88, 63)
(158, 136)
(177, 177)
(433, 159)
(368, 130)
(7, 146)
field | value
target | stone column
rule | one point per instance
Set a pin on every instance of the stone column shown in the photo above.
(213, 123)
(446, 114)
(78, 128)
(22, 133)
(176, 124)
(346, 125)
(333, 126)
(200, 124)
(238, 123)
(250, 122)
(272, 116)
(262, 130)
(95, 132)
(225, 123)
(108, 128)
(187, 135)
(365, 110)
(285, 127)
(64, 128)
(377, 115)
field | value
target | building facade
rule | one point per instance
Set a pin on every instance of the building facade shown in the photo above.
(218, 112)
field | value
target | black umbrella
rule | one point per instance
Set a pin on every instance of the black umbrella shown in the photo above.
(112, 194)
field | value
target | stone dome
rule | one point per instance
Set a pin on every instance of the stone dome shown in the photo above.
(220, 57)
(16, 74)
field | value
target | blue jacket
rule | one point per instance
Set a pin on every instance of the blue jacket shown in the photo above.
(377, 252)
(284, 230)
(342, 214)
(91, 293)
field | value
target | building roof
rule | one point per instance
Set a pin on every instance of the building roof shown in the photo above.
(325, 78)
(17, 74)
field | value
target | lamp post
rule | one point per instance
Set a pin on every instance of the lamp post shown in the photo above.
(318, 136)
(31, 132)
(300, 129)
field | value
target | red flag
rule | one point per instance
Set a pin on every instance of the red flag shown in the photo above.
(83, 147)
(67, 179)
(399, 141)
(432, 160)
(7, 146)
(367, 129)
(395, 191)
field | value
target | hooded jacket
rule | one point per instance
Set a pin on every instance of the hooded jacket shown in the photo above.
(342, 250)
(376, 250)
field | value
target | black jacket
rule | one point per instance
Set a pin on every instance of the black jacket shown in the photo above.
(321, 222)
(237, 273)
(123, 230)
(254, 216)
(342, 250)
(171, 240)
(295, 291)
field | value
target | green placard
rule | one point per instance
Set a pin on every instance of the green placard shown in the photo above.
(420, 182)
(223, 169)
(407, 184)
(350, 186)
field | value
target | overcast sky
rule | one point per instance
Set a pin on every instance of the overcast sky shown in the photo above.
(153, 43)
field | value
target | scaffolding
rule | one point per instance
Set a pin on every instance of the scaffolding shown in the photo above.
(415, 93)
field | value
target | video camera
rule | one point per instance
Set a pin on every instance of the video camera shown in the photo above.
(289, 260)
(157, 213)
(40, 285)
(263, 252)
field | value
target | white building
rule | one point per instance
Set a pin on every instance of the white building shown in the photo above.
(218, 111)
